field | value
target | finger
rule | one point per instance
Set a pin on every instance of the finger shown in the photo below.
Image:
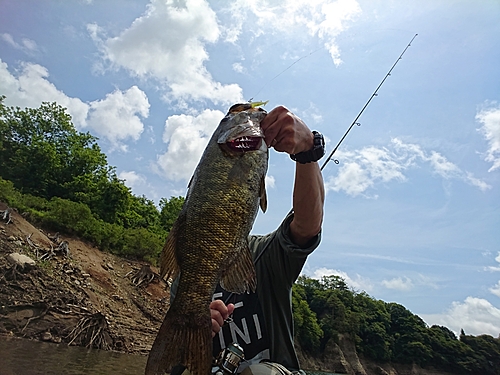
(217, 316)
(271, 117)
(230, 309)
(215, 328)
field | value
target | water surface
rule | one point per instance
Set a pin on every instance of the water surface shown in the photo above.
(27, 357)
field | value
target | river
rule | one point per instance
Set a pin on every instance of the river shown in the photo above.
(28, 357)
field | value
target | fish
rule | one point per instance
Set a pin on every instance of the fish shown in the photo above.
(208, 242)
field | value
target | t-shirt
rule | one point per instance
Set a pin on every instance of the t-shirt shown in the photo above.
(262, 322)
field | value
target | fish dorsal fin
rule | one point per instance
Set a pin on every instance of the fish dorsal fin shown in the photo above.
(169, 269)
(263, 194)
(239, 275)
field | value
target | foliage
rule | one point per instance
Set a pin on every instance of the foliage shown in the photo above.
(60, 177)
(385, 331)
(307, 329)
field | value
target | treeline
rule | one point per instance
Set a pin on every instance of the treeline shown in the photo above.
(60, 177)
(385, 332)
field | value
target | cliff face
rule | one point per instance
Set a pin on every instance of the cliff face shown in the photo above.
(343, 358)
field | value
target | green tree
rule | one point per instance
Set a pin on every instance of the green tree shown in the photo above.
(307, 330)
(169, 210)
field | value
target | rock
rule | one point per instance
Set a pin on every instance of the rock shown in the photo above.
(56, 340)
(46, 336)
(20, 259)
(11, 238)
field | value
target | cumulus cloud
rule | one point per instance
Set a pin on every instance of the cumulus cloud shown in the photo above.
(132, 179)
(490, 120)
(476, 316)
(187, 137)
(31, 87)
(357, 283)
(167, 43)
(398, 283)
(372, 165)
(115, 118)
(320, 18)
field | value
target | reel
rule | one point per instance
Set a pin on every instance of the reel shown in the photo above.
(229, 359)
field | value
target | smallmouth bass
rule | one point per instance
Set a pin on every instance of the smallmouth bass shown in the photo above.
(208, 242)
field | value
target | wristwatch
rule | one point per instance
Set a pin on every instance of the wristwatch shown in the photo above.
(315, 153)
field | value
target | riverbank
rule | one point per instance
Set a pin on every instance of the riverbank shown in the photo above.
(47, 301)
(67, 299)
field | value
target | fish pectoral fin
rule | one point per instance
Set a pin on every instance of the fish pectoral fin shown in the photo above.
(168, 261)
(263, 194)
(239, 276)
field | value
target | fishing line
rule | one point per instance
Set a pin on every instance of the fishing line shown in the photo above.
(283, 71)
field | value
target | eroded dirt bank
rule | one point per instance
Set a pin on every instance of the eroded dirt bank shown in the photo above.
(48, 300)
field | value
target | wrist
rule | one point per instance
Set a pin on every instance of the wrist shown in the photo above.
(315, 153)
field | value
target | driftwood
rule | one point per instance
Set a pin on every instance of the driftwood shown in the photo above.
(144, 276)
(92, 332)
(54, 238)
(7, 215)
(63, 248)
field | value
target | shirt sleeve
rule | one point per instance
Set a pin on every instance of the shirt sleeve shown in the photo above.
(279, 252)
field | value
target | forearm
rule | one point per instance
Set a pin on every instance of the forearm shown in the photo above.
(308, 199)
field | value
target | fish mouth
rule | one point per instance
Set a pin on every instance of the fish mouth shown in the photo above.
(244, 144)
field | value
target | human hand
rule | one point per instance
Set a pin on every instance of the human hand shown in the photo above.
(286, 132)
(219, 313)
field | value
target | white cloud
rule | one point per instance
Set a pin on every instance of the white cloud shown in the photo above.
(116, 117)
(187, 137)
(496, 289)
(398, 283)
(26, 45)
(476, 316)
(132, 179)
(495, 268)
(238, 67)
(490, 120)
(371, 165)
(357, 283)
(31, 87)
(270, 182)
(167, 43)
(324, 19)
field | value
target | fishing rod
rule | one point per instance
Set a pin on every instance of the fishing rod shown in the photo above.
(375, 93)
(355, 122)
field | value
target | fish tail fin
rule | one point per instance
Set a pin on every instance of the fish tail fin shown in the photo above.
(183, 342)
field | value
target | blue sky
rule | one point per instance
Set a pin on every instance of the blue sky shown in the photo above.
(412, 208)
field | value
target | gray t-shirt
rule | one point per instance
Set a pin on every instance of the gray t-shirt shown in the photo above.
(263, 325)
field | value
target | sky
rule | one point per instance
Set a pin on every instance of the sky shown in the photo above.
(412, 205)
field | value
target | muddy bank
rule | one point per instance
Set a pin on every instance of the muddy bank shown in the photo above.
(48, 300)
